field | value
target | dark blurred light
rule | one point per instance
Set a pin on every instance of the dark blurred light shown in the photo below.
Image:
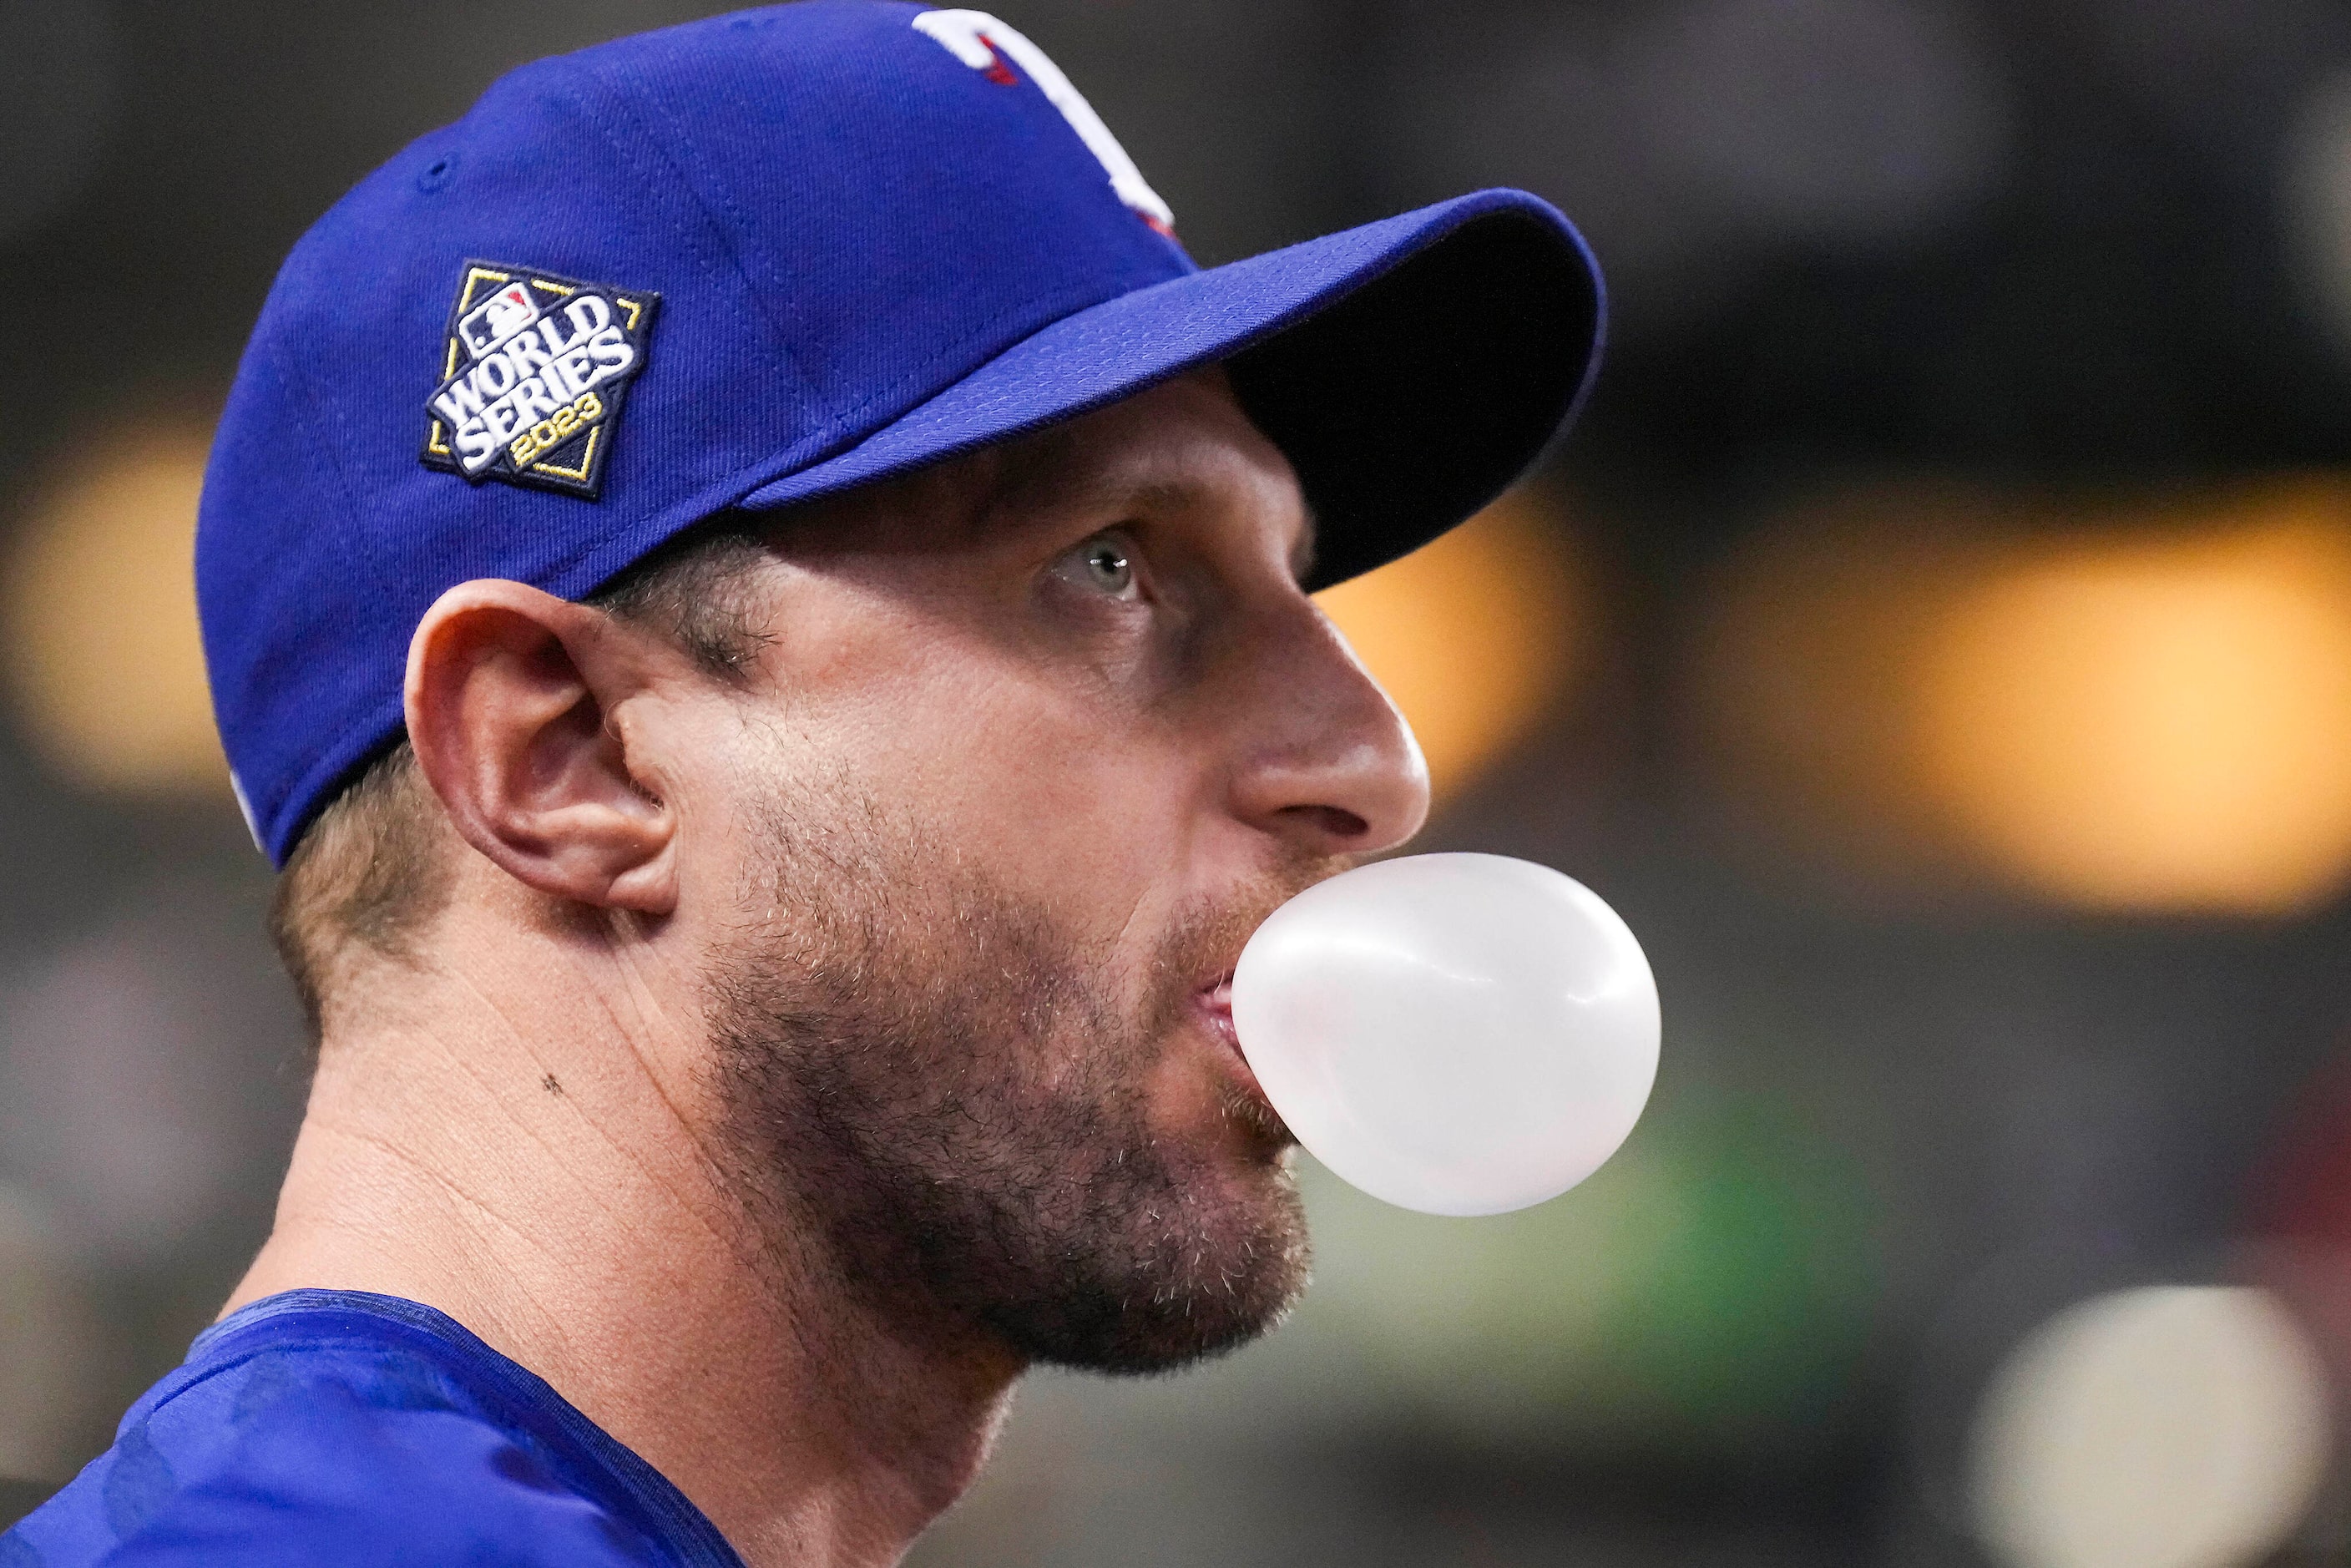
(57, 89)
(2219, 80)
(427, 60)
(1693, 138)
(2300, 1212)
(46, 1352)
(151, 1068)
(2315, 196)
(1835, 123)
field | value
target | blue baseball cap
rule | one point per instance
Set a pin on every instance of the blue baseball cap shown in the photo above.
(764, 257)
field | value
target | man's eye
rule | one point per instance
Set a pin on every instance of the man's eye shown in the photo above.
(1103, 565)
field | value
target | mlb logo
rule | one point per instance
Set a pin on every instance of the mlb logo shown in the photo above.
(496, 319)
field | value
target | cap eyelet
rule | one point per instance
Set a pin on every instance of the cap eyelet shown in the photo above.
(438, 173)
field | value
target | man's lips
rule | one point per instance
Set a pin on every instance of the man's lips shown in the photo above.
(1213, 1002)
(1214, 1005)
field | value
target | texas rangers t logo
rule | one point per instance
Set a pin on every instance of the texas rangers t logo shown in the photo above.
(533, 376)
(974, 37)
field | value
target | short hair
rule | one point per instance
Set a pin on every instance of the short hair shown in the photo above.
(375, 866)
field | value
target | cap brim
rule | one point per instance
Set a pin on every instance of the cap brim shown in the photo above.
(1410, 369)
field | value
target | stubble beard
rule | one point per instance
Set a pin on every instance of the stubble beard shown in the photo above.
(947, 1090)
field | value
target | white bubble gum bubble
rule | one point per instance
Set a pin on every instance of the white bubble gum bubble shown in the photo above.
(1454, 1033)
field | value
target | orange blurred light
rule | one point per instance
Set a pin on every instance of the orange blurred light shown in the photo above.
(2126, 707)
(1476, 636)
(2154, 724)
(97, 617)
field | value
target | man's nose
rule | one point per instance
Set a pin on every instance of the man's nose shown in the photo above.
(1328, 764)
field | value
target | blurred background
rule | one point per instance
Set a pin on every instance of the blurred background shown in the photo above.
(1935, 640)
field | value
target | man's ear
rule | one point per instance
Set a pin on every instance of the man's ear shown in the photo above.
(509, 693)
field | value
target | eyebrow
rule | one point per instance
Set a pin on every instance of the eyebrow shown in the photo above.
(1052, 489)
(1172, 495)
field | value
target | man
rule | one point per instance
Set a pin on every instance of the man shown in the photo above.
(759, 602)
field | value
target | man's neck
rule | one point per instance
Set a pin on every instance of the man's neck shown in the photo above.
(517, 1146)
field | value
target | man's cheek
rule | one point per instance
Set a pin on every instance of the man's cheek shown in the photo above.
(1078, 809)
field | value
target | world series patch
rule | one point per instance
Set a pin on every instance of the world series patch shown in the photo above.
(533, 377)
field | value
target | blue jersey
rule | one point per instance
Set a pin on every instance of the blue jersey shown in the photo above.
(335, 1427)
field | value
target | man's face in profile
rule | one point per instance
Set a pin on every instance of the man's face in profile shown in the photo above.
(1037, 739)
